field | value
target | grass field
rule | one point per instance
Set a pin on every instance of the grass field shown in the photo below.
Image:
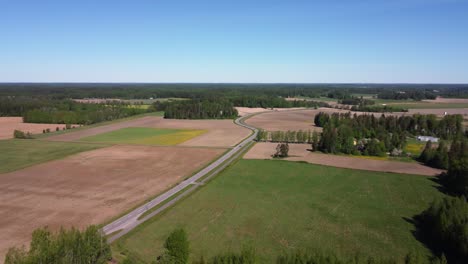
(20, 153)
(146, 136)
(277, 206)
(414, 147)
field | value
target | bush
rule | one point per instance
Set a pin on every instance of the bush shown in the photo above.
(21, 135)
(177, 248)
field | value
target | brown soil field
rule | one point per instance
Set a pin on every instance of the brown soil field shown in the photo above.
(251, 110)
(90, 187)
(299, 152)
(294, 119)
(221, 133)
(9, 124)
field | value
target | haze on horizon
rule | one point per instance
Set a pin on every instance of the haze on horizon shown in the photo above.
(402, 41)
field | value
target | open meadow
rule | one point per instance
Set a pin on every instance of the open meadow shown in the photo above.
(255, 203)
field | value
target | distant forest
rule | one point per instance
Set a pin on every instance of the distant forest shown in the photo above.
(51, 103)
(201, 90)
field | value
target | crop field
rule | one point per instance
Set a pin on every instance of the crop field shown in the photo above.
(87, 188)
(256, 202)
(298, 119)
(219, 133)
(20, 153)
(146, 136)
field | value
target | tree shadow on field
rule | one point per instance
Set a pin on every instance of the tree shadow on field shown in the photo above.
(420, 232)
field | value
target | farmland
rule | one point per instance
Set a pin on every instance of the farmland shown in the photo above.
(145, 135)
(90, 187)
(10, 124)
(256, 202)
(217, 133)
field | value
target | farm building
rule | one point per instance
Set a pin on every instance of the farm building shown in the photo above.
(427, 138)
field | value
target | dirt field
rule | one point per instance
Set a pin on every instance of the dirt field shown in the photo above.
(298, 152)
(9, 124)
(284, 120)
(221, 133)
(90, 187)
(251, 110)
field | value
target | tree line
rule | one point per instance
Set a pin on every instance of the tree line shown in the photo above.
(289, 136)
(443, 227)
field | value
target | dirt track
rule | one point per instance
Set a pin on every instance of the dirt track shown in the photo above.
(90, 187)
(9, 124)
(298, 152)
(221, 133)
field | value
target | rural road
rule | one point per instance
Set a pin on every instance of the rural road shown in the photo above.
(126, 223)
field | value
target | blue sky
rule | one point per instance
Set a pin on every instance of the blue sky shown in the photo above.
(402, 41)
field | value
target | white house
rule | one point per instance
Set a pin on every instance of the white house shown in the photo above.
(428, 138)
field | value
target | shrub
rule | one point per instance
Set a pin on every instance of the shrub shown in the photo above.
(177, 248)
(21, 135)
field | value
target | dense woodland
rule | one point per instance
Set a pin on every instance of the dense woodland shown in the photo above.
(43, 110)
(204, 90)
(416, 95)
(200, 109)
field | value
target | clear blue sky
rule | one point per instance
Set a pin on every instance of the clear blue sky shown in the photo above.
(234, 41)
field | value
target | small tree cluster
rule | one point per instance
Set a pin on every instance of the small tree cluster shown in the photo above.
(282, 150)
(66, 246)
(22, 135)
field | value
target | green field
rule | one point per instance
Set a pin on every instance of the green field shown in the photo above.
(280, 206)
(145, 136)
(20, 153)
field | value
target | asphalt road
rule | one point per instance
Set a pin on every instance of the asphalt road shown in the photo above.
(129, 221)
